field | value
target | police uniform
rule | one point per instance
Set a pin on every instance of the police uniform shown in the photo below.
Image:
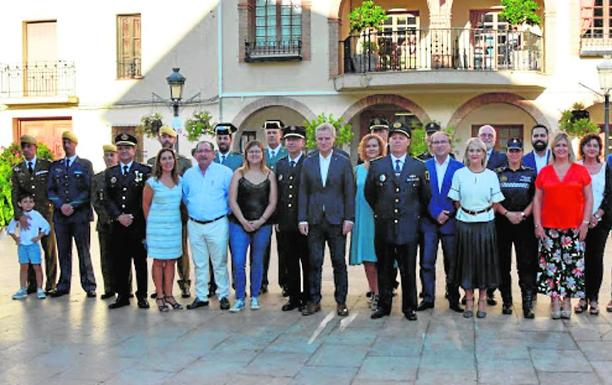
(292, 245)
(518, 188)
(35, 182)
(123, 195)
(398, 195)
(183, 263)
(70, 183)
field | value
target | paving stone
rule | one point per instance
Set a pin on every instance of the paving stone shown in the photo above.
(549, 360)
(388, 369)
(325, 376)
(603, 370)
(330, 354)
(276, 364)
(492, 371)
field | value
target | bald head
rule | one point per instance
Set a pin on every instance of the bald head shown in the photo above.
(488, 135)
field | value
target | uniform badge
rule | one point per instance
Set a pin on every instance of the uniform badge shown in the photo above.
(137, 176)
(113, 180)
(427, 175)
(280, 177)
(503, 178)
(382, 178)
(16, 169)
(124, 136)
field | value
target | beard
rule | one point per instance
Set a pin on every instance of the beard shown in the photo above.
(539, 145)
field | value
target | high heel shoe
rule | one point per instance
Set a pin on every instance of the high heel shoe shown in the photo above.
(482, 304)
(468, 312)
(581, 307)
(566, 310)
(161, 305)
(175, 305)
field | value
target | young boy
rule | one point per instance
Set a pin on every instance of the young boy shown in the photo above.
(28, 245)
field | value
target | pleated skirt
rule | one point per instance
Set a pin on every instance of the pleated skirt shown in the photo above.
(477, 258)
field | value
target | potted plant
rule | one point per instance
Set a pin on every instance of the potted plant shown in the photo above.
(576, 122)
(344, 131)
(199, 124)
(150, 125)
(364, 20)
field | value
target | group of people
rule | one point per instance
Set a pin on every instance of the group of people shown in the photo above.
(555, 210)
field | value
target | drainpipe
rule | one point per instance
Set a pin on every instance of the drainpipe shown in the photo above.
(220, 57)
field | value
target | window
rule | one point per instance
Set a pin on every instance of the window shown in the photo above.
(277, 21)
(128, 47)
(504, 132)
(596, 28)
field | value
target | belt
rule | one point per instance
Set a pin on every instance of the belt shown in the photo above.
(206, 222)
(470, 212)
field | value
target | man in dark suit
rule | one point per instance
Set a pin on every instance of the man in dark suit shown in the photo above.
(397, 190)
(123, 185)
(326, 211)
(292, 245)
(540, 155)
(31, 176)
(69, 188)
(439, 224)
(495, 159)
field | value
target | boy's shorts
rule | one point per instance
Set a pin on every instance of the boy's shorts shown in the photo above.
(29, 254)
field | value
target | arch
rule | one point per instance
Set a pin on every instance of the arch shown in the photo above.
(397, 100)
(272, 101)
(497, 97)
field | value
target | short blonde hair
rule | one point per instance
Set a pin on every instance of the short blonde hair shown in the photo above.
(325, 127)
(559, 137)
(478, 143)
(361, 149)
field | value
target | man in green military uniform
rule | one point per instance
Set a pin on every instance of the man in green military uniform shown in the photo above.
(167, 138)
(223, 136)
(30, 176)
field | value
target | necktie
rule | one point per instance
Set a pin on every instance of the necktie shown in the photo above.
(222, 159)
(125, 170)
(30, 168)
(67, 163)
(292, 163)
(272, 154)
(398, 169)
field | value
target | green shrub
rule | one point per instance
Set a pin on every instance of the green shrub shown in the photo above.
(344, 131)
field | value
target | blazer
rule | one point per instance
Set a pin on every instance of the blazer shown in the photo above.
(71, 185)
(497, 159)
(336, 201)
(529, 159)
(398, 202)
(271, 162)
(36, 184)
(288, 181)
(439, 199)
(233, 160)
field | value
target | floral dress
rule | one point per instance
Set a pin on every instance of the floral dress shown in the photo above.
(561, 259)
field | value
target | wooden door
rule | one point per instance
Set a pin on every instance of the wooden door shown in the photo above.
(45, 130)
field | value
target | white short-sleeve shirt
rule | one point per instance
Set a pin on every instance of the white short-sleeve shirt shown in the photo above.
(475, 191)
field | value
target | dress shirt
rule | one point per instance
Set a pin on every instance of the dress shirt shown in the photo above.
(129, 166)
(489, 152)
(540, 161)
(70, 160)
(32, 161)
(324, 166)
(441, 170)
(206, 194)
(37, 223)
(394, 160)
(273, 151)
(296, 159)
(223, 156)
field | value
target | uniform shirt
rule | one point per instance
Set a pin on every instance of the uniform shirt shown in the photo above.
(273, 151)
(206, 195)
(441, 170)
(70, 159)
(37, 224)
(475, 192)
(33, 162)
(296, 160)
(517, 186)
(401, 159)
(122, 167)
(324, 166)
(563, 201)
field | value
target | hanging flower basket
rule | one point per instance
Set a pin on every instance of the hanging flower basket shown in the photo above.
(150, 125)
(199, 124)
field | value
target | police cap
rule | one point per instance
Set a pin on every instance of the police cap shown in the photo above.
(294, 132)
(377, 124)
(125, 139)
(514, 143)
(225, 129)
(400, 127)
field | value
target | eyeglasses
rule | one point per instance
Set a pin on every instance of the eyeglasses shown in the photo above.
(439, 142)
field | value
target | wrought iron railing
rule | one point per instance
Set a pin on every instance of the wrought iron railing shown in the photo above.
(35, 79)
(273, 50)
(595, 45)
(452, 48)
(129, 69)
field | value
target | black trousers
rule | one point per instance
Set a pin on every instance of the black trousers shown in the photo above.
(64, 233)
(595, 244)
(293, 250)
(526, 248)
(127, 245)
(405, 255)
(318, 235)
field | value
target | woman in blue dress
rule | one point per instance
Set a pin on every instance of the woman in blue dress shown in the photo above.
(362, 239)
(161, 205)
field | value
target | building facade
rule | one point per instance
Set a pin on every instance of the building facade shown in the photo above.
(97, 68)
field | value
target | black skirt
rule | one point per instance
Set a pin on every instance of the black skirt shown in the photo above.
(477, 259)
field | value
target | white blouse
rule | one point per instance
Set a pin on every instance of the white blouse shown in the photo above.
(598, 183)
(475, 192)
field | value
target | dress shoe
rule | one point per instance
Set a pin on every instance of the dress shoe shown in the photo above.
(411, 315)
(196, 304)
(143, 303)
(91, 294)
(290, 306)
(455, 307)
(379, 313)
(424, 305)
(342, 310)
(184, 286)
(58, 293)
(311, 308)
(491, 301)
(153, 295)
(285, 293)
(107, 295)
(224, 304)
(463, 300)
(507, 308)
(120, 302)
(263, 289)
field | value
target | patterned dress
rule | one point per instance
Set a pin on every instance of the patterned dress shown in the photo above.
(164, 229)
(561, 260)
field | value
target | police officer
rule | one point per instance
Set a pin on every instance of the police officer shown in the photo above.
(514, 224)
(224, 138)
(30, 176)
(167, 138)
(397, 189)
(292, 245)
(69, 189)
(123, 199)
(380, 127)
(430, 129)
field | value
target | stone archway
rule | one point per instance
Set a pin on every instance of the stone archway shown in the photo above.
(397, 100)
(497, 97)
(272, 101)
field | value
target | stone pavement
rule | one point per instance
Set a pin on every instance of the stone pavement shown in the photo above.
(75, 340)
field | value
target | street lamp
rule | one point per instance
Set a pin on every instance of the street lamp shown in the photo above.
(176, 81)
(604, 70)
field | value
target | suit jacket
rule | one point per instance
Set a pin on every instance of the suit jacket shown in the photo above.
(71, 185)
(271, 162)
(36, 184)
(233, 160)
(334, 202)
(288, 181)
(398, 202)
(529, 159)
(123, 193)
(496, 160)
(439, 199)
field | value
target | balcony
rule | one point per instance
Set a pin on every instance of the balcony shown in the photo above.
(594, 44)
(280, 50)
(442, 56)
(38, 83)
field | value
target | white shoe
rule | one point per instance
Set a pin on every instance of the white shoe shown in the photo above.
(40, 293)
(255, 304)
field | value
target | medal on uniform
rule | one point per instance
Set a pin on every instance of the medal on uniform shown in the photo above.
(138, 176)
(503, 178)
(382, 178)
(113, 180)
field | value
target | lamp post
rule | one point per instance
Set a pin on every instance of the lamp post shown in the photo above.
(604, 70)
(176, 81)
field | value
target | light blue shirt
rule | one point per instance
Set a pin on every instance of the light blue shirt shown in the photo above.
(206, 194)
(129, 166)
(71, 160)
(401, 159)
(324, 166)
(33, 162)
(37, 223)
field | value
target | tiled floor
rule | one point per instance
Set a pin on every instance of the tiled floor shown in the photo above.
(74, 340)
